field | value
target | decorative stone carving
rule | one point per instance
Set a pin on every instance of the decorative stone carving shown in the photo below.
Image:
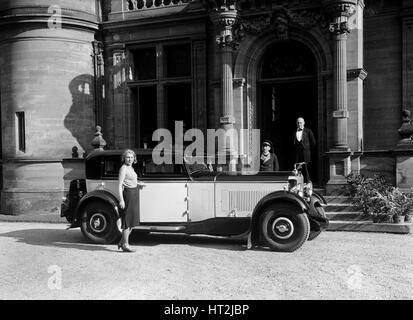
(406, 129)
(309, 18)
(224, 22)
(98, 51)
(98, 142)
(339, 27)
(279, 21)
(340, 8)
(221, 5)
(75, 153)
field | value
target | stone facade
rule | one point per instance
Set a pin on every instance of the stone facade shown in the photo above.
(131, 66)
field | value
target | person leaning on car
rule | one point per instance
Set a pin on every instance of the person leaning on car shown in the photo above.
(268, 160)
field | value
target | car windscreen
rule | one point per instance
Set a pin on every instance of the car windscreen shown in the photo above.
(150, 169)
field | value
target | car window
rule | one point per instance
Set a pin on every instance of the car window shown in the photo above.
(151, 169)
(111, 166)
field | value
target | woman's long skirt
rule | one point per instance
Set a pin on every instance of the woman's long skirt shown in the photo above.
(130, 215)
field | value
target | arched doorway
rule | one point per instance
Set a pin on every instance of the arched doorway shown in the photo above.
(287, 89)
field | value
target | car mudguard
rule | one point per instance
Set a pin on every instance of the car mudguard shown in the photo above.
(278, 196)
(316, 221)
(320, 198)
(102, 195)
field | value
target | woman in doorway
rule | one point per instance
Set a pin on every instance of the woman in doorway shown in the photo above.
(268, 160)
(128, 186)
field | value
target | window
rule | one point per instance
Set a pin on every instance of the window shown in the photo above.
(288, 59)
(145, 63)
(146, 115)
(179, 103)
(162, 89)
(112, 167)
(21, 131)
(178, 60)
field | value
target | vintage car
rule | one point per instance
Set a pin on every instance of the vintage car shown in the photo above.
(272, 209)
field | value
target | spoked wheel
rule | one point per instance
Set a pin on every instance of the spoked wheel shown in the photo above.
(100, 223)
(321, 213)
(284, 227)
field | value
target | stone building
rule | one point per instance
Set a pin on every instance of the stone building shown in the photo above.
(132, 66)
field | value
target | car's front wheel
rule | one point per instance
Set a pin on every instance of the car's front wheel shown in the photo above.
(100, 223)
(284, 227)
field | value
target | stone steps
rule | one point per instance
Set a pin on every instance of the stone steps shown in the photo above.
(347, 216)
(343, 216)
(369, 226)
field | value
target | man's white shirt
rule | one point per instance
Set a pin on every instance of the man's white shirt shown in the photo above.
(299, 134)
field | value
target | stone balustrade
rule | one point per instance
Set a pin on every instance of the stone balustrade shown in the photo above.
(151, 4)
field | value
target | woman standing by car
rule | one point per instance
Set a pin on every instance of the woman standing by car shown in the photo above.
(128, 185)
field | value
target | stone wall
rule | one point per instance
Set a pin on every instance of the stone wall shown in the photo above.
(47, 74)
(383, 86)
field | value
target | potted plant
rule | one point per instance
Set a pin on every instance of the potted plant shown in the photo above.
(364, 191)
(381, 208)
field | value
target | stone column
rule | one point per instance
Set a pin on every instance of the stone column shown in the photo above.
(99, 82)
(224, 16)
(223, 22)
(339, 154)
(340, 11)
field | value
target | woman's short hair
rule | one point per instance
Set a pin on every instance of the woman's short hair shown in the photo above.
(128, 151)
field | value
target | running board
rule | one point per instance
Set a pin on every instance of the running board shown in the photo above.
(159, 228)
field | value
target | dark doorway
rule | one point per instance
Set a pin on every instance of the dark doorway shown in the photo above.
(288, 90)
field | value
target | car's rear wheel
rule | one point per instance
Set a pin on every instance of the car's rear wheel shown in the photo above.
(100, 223)
(284, 227)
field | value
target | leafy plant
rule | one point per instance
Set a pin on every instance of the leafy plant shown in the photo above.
(364, 190)
(378, 198)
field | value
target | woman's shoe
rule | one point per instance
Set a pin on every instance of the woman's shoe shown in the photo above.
(120, 244)
(126, 248)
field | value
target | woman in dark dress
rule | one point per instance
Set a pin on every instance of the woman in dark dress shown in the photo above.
(268, 160)
(128, 198)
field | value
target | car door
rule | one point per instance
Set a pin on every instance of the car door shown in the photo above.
(165, 195)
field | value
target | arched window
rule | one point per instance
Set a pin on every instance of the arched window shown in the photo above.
(288, 59)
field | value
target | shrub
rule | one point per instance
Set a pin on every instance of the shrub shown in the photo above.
(378, 198)
(364, 190)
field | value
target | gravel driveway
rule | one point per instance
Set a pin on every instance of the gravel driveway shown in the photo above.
(45, 261)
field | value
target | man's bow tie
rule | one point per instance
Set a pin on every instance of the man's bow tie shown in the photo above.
(299, 129)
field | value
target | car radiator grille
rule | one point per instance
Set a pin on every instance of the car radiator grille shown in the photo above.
(245, 201)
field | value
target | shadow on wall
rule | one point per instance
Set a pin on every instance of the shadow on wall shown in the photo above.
(80, 120)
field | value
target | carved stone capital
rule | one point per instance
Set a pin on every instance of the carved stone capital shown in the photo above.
(224, 22)
(339, 28)
(340, 8)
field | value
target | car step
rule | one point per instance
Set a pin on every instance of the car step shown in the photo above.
(159, 228)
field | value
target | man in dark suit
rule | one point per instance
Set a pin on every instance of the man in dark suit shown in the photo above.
(304, 142)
